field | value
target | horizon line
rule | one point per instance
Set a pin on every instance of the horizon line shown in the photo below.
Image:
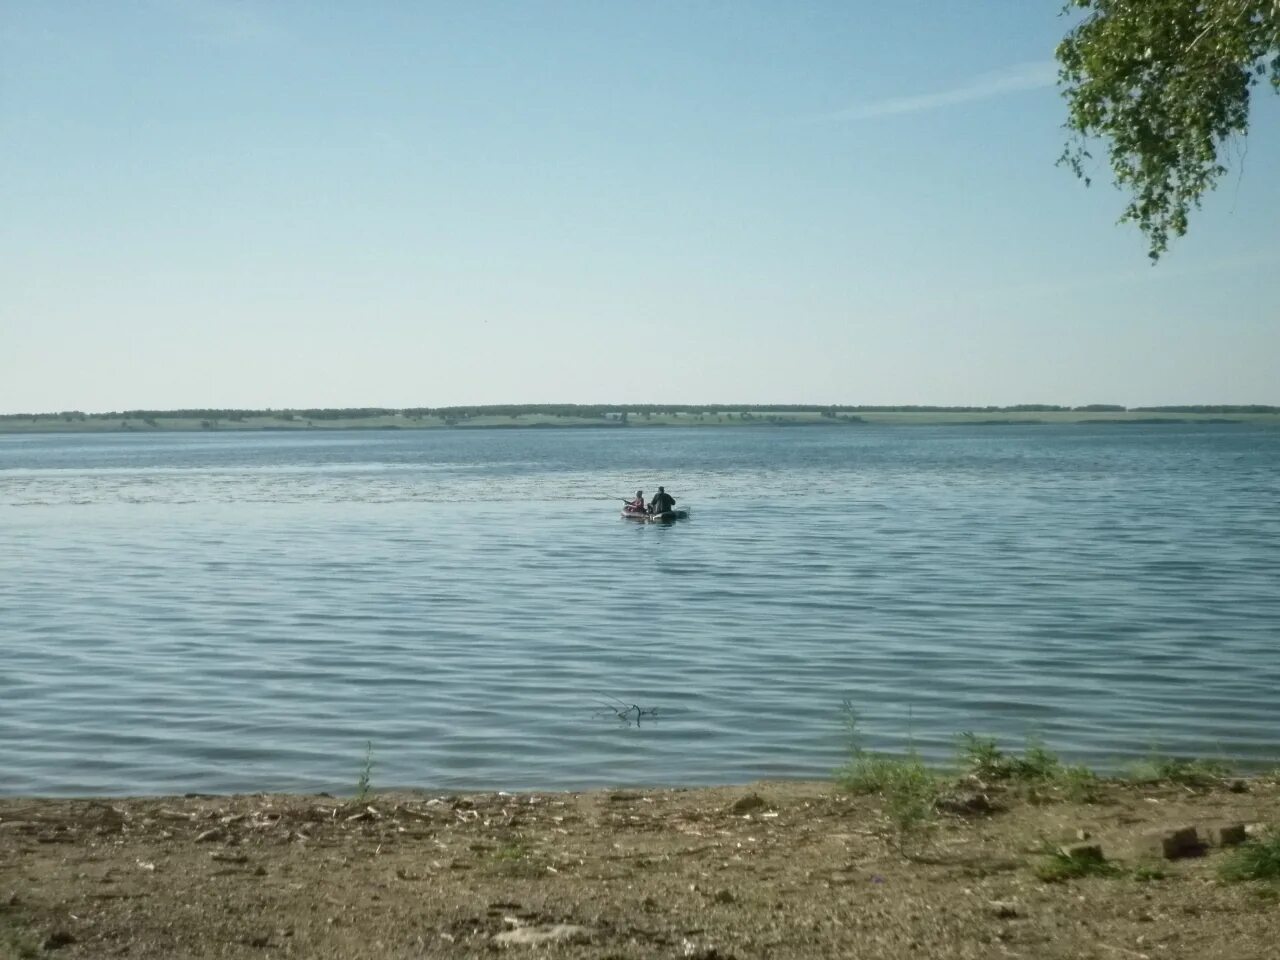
(1032, 407)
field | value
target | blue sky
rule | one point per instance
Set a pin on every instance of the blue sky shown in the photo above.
(252, 204)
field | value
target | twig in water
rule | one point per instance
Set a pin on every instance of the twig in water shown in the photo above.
(627, 713)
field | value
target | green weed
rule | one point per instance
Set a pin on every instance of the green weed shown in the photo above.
(1079, 784)
(1038, 765)
(908, 788)
(1184, 771)
(1255, 860)
(517, 859)
(1059, 866)
(511, 852)
(983, 757)
(15, 942)
(1146, 874)
(985, 760)
(1038, 762)
(364, 784)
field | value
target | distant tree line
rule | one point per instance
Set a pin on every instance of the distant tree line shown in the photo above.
(1210, 408)
(596, 411)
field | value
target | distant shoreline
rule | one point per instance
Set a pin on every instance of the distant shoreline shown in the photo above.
(176, 421)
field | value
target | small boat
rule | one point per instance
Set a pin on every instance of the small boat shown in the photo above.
(642, 516)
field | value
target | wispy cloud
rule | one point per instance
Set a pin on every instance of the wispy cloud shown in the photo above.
(1022, 76)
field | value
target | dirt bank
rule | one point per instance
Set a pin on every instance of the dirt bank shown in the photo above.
(777, 870)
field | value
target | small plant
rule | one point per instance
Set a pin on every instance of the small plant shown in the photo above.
(911, 795)
(1196, 773)
(1037, 765)
(910, 790)
(364, 784)
(517, 859)
(1187, 772)
(1079, 784)
(1059, 866)
(1146, 874)
(988, 762)
(983, 758)
(1255, 860)
(1038, 762)
(15, 942)
(511, 852)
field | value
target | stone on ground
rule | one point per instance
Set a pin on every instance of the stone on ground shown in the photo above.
(1173, 844)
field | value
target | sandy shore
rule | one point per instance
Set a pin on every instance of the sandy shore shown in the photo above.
(774, 870)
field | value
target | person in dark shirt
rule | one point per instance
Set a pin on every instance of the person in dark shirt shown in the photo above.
(661, 502)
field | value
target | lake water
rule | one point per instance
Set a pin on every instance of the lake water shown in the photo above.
(238, 612)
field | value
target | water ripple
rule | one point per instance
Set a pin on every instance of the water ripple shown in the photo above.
(235, 612)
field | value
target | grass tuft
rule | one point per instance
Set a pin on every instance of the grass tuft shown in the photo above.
(516, 858)
(1179, 770)
(1059, 866)
(909, 789)
(1038, 765)
(1146, 874)
(16, 943)
(511, 852)
(364, 784)
(985, 760)
(1255, 860)
(1079, 784)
